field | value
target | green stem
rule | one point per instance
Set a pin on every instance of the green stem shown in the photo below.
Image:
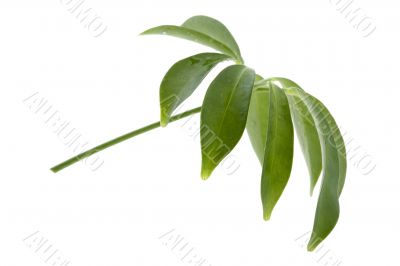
(119, 139)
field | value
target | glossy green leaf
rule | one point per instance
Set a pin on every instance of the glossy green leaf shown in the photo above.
(306, 132)
(203, 30)
(334, 167)
(224, 114)
(278, 152)
(182, 79)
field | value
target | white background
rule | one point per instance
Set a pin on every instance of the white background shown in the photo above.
(150, 185)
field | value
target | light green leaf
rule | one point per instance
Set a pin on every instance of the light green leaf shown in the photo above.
(306, 132)
(182, 79)
(278, 151)
(257, 121)
(203, 30)
(257, 118)
(223, 115)
(334, 168)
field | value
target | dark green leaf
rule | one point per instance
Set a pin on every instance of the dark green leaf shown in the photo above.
(203, 30)
(334, 168)
(223, 115)
(278, 151)
(183, 78)
(306, 133)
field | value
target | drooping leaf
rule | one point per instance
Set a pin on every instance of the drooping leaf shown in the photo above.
(306, 132)
(203, 30)
(257, 121)
(257, 118)
(182, 79)
(224, 114)
(278, 152)
(334, 167)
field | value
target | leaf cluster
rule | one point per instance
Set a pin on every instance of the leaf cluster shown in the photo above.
(269, 109)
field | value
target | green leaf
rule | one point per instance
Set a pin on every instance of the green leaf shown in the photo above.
(278, 153)
(257, 121)
(257, 118)
(203, 30)
(215, 30)
(223, 115)
(182, 79)
(334, 168)
(306, 133)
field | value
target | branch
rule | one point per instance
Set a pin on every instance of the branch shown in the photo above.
(120, 139)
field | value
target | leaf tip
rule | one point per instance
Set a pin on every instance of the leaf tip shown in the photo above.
(313, 242)
(205, 173)
(311, 247)
(267, 215)
(164, 118)
(311, 191)
(146, 32)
